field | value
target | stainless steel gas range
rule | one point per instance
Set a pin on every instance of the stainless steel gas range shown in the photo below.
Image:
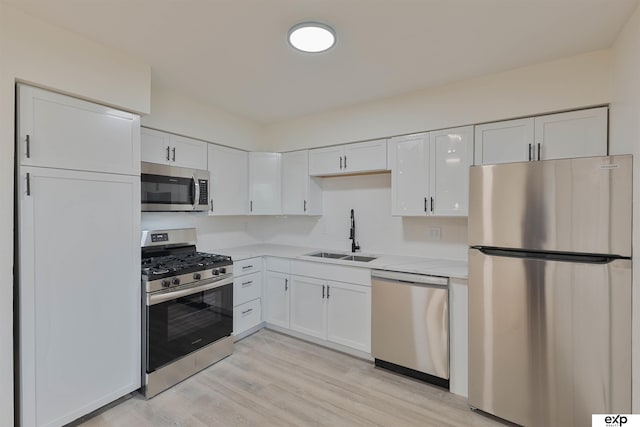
(187, 308)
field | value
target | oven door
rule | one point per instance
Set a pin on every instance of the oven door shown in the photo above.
(182, 321)
(170, 188)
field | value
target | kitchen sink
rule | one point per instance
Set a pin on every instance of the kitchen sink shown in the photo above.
(342, 257)
(326, 255)
(360, 258)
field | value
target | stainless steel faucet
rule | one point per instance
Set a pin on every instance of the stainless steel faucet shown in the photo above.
(352, 234)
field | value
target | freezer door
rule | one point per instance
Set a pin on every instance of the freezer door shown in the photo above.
(549, 341)
(571, 205)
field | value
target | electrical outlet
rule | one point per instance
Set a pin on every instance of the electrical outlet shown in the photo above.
(434, 233)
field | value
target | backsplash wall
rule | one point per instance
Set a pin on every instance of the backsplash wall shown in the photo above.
(376, 230)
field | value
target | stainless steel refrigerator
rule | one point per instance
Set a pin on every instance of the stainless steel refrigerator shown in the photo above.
(550, 289)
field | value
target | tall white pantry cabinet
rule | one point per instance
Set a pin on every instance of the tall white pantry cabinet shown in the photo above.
(78, 199)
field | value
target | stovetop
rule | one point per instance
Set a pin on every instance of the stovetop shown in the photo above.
(159, 267)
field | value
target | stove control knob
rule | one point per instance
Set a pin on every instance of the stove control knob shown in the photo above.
(223, 270)
(166, 283)
(197, 276)
(175, 281)
(215, 272)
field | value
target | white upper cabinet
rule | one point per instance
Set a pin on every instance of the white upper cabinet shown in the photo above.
(301, 194)
(409, 161)
(349, 158)
(229, 181)
(265, 183)
(504, 142)
(67, 133)
(430, 172)
(580, 133)
(451, 154)
(169, 149)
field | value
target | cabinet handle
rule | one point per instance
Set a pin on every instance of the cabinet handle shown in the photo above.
(340, 162)
(211, 205)
(244, 284)
(286, 285)
(345, 161)
(328, 291)
(305, 206)
(251, 206)
(432, 204)
(28, 184)
(174, 153)
(247, 266)
(28, 147)
(247, 311)
(529, 152)
(425, 204)
(322, 291)
(168, 148)
(539, 151)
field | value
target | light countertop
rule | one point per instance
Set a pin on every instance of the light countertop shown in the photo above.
(407, 264)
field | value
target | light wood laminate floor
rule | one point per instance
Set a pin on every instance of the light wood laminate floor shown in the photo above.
(276, 380)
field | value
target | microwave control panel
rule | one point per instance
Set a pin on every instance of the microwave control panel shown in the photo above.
(203, 198)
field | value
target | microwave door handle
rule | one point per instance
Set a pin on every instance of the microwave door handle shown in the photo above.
(196, 192)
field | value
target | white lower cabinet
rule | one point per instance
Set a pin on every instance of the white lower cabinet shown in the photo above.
(246, 316)
(308, 311)
(277, 296)
(349, 315)
(333, 311)
(247, 294)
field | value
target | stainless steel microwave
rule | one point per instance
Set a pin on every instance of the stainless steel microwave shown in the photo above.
(173, 189)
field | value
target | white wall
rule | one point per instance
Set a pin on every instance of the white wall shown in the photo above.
(376, 230)
(625, 138)
(213, 232)
(34, 51)
(174, 113)
(579, 81)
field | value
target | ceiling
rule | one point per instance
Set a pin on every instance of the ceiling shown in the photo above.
(233, 54)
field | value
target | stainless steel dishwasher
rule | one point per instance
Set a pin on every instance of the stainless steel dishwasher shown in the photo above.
(410, 324)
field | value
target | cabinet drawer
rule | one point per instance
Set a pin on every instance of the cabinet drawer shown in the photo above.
(247, 288)
(278, 264)
(247, 266)
(246, 316)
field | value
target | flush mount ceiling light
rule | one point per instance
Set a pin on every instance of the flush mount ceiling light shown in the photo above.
(312, 37)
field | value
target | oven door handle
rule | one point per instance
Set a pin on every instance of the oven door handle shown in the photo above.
(154, 299)
(196, 192)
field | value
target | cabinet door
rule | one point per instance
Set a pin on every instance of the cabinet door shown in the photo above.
(229, 180)
(62, 132)
(277, 299)
(409, 160)
(188, 153)
(79, 292)
(504, 142)
(295, 182)
(155, 146)
(265, 184)
(574, 134)
(349, 315)
(308, 313)
(451, 155)
(365, 156)
(325, 161)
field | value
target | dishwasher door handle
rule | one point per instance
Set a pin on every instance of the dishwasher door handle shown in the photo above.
(410, 278)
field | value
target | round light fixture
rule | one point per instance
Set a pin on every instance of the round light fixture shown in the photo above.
(313, 37)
